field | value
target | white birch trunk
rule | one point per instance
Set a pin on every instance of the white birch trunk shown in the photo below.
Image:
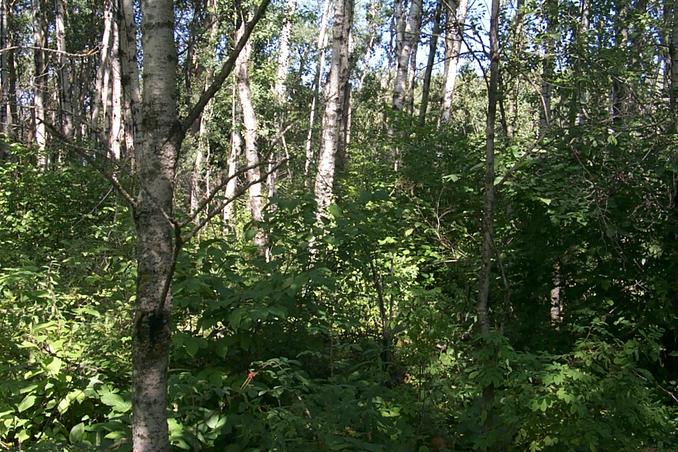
(321, 43)
(103, 73)
(39, 82)
(65, 95)
(453, 39)
(114, 133)
(409, 36)
(256, 200)
(324, 181)
(233, 156)
(130, 77)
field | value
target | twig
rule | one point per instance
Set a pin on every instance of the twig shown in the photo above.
(81, 152)
(212, 213)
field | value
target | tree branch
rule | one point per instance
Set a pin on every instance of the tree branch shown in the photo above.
(221, 76)
(80, 150)
(212, 213)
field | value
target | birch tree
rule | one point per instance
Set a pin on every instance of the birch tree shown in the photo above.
(64, 71)
(489, 195)
(159, 235)
(256, 197)
(39, 81)
(456, 18)
(320, 45)
(324, 181)
(404, 53)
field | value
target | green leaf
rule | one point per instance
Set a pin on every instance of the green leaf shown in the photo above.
(77, 433)
(334, 210)
(26, 403)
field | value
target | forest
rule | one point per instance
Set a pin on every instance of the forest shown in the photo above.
(339, 225)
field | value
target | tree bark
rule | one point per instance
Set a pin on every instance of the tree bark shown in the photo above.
(321, 43)
(39, 82)
(232, 163)
(409, 36)
(114, 132)
(280, 91)
(673, 58)
(64, 71)
(324, 182)
(130, 78)
(454, 31)
(432, 50)
(489, 198)
(256, 198)
(155, 235)
(103, 74)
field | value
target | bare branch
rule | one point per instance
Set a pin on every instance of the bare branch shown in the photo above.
(214, 212)
(81, 151)
(207, 199)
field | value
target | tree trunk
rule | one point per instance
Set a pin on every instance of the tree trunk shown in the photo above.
(155, 245)
(322, 37)
(673, 56)
(280, 91)
(432, 50)
(64, 71)
(405, 47)
(233, 156)
(114, 132)
(556, 298)
(6, 46)
(454, 32)
(256, 198)
(103, 74)
(575, 115)
(489, 201)
(130, 77)
(413, 68)
(324, 182)
(201, 167)
(39, 82)
(280, 87)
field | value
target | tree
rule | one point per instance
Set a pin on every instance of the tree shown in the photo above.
(334, 105)
(159, 237)
(454, 31)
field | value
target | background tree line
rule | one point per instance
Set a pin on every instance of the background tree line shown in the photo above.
(338, 225)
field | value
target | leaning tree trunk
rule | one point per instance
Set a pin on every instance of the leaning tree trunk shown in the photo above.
(454, 34)
(324, 181)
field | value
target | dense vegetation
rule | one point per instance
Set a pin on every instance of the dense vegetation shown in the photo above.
(357, 327)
